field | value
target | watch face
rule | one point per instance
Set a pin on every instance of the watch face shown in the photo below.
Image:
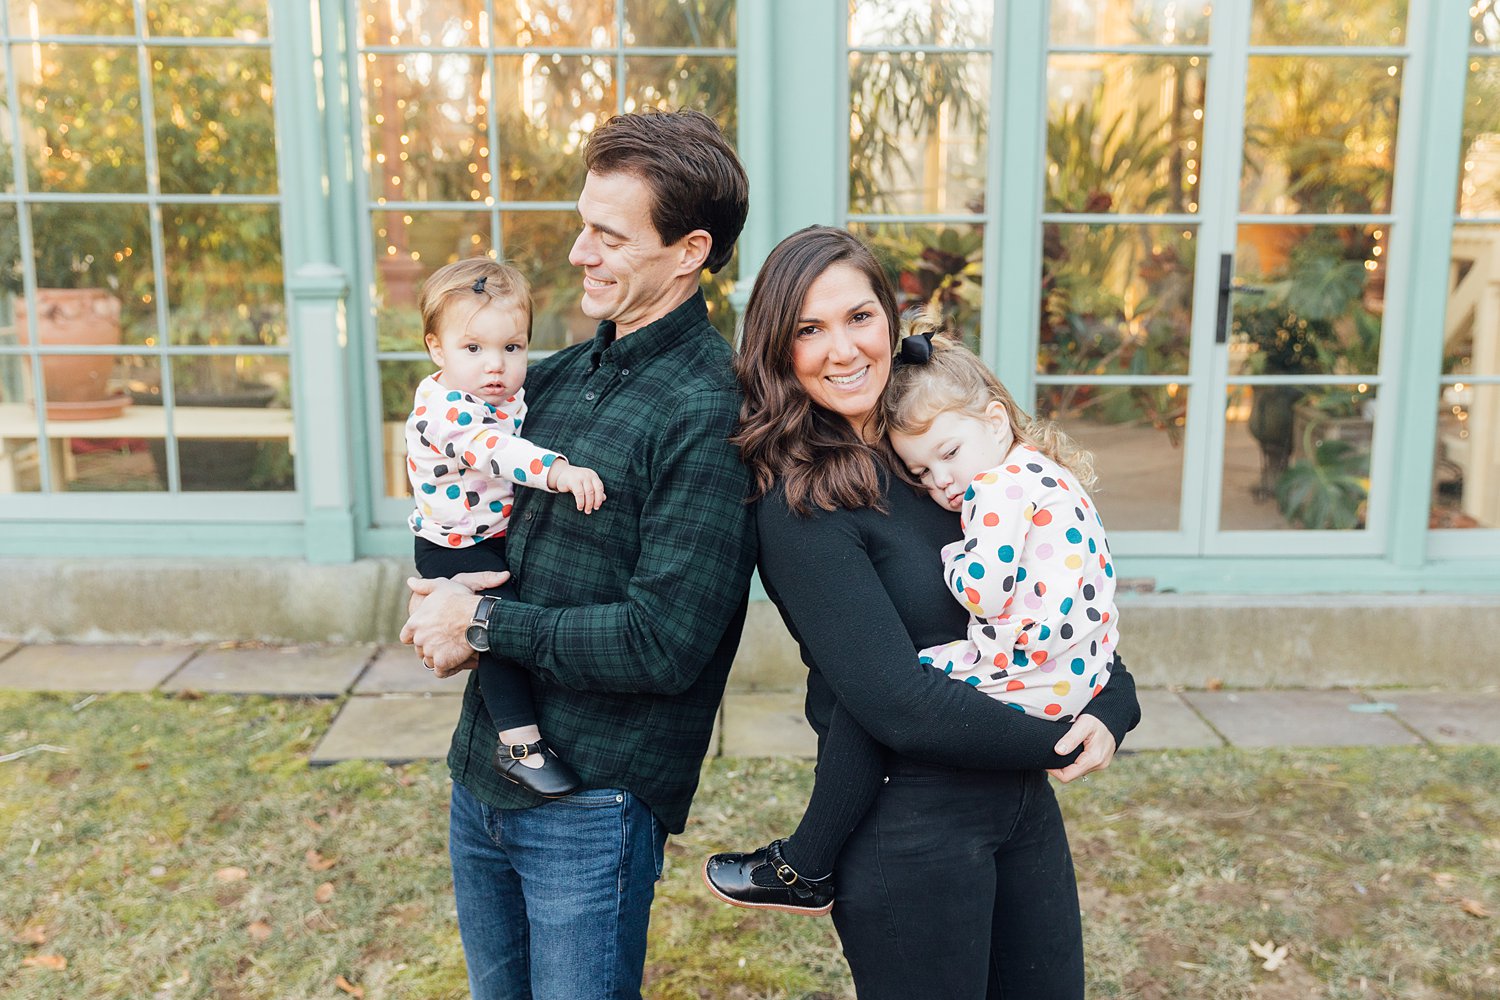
(479, 637)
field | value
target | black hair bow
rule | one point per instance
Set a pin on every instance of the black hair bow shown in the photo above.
(916, 349)
(479, 282)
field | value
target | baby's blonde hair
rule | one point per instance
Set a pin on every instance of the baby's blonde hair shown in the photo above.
(955, 380)
(453, 284)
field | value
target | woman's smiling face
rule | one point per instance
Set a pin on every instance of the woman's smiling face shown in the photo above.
(841, 348)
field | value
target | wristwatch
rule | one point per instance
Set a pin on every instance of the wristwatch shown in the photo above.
(478, 632)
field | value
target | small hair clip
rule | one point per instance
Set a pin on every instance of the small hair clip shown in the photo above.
(916, 349)
(479, 283)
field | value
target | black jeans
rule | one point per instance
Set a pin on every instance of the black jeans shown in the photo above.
(959, 884)
(504, 684)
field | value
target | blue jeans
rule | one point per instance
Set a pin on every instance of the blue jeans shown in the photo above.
(553, 901)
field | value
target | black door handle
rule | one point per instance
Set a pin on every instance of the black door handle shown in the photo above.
(1227, 286)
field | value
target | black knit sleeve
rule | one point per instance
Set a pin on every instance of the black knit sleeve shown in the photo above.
(836, 603)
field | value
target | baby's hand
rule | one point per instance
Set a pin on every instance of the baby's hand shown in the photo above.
(585, 485)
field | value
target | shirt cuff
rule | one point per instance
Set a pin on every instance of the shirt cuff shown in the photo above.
(513, 628)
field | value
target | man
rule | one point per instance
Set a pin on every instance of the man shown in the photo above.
(628, 618)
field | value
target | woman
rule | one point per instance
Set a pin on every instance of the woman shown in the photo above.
(958, 882)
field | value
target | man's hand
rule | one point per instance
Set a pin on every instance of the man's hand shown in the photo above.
(1098, 748)
(441, 611)
(585, 485)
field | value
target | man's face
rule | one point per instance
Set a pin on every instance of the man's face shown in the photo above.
(628, 275)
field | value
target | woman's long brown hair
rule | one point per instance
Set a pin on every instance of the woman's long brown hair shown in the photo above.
(784, 437)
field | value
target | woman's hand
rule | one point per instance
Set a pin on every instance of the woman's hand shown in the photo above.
(1098, 748)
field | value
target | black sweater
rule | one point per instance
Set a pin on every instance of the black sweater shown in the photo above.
(862, 592)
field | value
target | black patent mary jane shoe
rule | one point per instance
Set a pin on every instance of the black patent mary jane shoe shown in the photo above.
(553, 780)
(762, 880)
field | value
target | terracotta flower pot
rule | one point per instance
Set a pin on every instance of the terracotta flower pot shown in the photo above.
(79, 387)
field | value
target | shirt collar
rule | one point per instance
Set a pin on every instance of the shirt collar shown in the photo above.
(651, 339)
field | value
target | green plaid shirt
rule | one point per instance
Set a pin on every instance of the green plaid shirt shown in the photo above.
(627, 617)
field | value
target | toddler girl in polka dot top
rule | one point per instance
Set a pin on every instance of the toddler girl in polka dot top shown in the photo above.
(1033, 570)
(1033, 567)
(465, 456)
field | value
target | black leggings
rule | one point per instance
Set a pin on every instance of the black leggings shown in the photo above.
(959, 884)
(505, 685)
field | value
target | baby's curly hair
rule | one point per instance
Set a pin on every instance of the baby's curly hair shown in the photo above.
(955, 380)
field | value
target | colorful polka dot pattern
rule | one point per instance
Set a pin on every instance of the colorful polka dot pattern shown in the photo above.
(464, 458)
(1034, 571)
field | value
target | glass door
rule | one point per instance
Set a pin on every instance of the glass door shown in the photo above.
(1300, 297)
(1219, 207)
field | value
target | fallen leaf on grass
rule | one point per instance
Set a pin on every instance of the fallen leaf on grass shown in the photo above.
(1474, 908)
(358, 992)
(1214, 684)
(316, 862)
(324, 892)
(1274, 956)
(231, 874)
(54, 962)
(188, 694)
(313, 825)
(1444, 880)
(259, 930)
(31, 935)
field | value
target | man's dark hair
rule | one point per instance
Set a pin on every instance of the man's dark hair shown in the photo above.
(696, 180)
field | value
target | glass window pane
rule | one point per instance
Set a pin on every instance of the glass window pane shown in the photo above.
(408, 247)
(1130, 22)
(398, 384)
(7, 138)
(81, 114)
(687, 24)
(239, 299)
(938, 265)
(428, 135)
(242, 19)
(95, 438)
(1479, 181)
(1466, 474)
(105, 249)
(213, 114)
(1310, 299)
(1485, 18)
(1320, 134)
(1124, 133)
(1328, 22)
(1471, 329)
(918, 133)
(427, 23)
(548, 104)
(555, 23)
(1116, 299)
(1297, 456)
(232, 422)
(538, 244)
(921, 22)
(1135, 433)
(703, 83)
(31, 18)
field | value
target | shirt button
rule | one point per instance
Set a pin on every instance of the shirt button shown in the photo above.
(588, 395)
(530, 514)
(624, 371)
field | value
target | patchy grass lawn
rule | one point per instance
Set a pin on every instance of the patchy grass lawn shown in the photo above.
(184, 849)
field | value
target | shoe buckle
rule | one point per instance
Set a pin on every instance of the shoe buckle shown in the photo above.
(787, 874)
(525, 751)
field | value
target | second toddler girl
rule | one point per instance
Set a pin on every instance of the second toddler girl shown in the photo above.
(465, 456)
(1032, 568)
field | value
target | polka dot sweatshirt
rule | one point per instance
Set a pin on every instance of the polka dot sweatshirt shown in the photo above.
(1033, 570)
(464, 457)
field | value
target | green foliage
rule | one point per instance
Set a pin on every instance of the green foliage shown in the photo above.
(1330, 489)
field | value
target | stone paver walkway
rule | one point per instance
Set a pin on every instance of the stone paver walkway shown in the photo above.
(394, 710)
